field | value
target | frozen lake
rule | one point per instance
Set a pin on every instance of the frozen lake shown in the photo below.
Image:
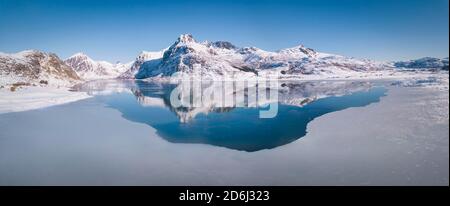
(325, 132)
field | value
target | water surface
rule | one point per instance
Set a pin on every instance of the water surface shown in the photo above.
(238, 128)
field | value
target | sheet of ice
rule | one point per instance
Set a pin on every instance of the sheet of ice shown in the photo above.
(402, 140)
(35, 97)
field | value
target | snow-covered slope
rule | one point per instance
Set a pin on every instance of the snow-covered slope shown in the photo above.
(143, 56)
(89, 69)
(33, 67)
(222, 59)
(194, 59)
(423, 63)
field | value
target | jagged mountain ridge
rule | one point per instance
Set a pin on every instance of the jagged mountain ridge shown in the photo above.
(199, 60)
(217, 59)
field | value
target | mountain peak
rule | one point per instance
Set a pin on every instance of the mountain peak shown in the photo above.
(299, 50)
(222, 44)
(79, 55)
(185, 38)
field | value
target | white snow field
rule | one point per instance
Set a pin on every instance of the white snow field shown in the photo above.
(35, 97)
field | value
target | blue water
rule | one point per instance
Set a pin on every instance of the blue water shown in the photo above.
(233, 128)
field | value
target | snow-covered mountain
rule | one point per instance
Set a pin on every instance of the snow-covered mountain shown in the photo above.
(143, 57)
(218, 59)
(88, 69)
(33, 67)
(194, 59)
(423, 63)
(208, 60)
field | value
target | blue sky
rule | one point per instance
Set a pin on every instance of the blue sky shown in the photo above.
(119, 30)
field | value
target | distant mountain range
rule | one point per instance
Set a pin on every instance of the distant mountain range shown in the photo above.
(89, 69)
(190, 58)
(218, 59)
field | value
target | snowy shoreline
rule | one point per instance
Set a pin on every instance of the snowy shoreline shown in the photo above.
(35, 97)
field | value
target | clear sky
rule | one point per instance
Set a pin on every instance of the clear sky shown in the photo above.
(119, 30)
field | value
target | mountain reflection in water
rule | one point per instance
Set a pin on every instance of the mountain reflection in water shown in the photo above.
(238, 128)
